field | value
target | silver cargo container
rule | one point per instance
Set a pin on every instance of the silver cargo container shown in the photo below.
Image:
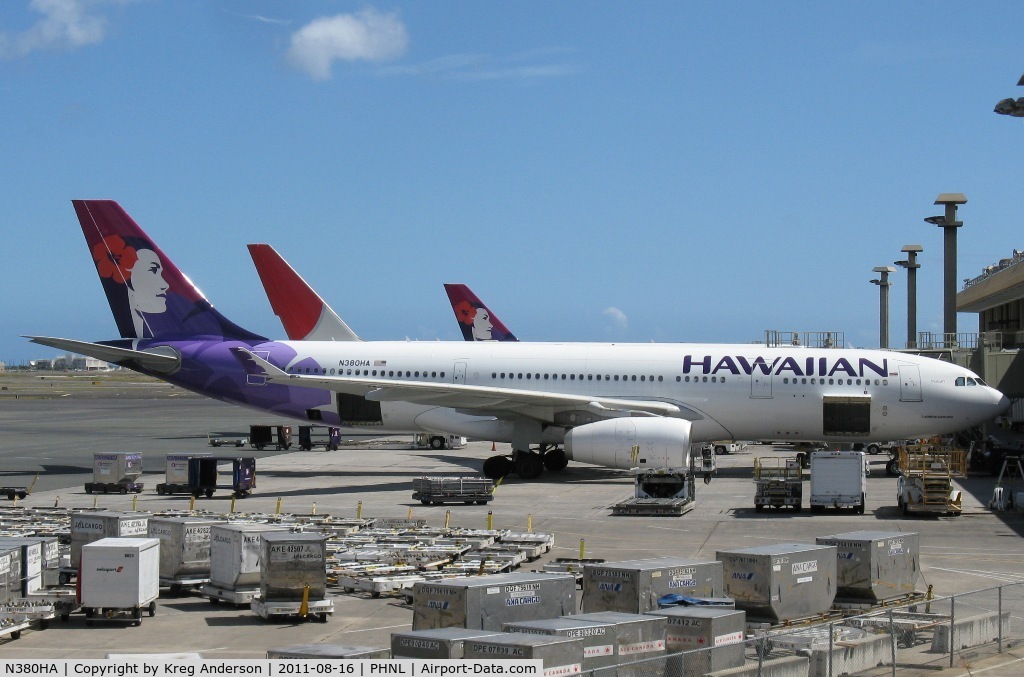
(10, 574)
(561, 655)
(488, 602)
(327, 651)
(720, 632)
(30, 574)
(875, 565)
(634, 586)
(433, 644)
(114, 467)
(87, 527)
(235, 554)
(637, 637)
(184, 546)
(781, 582)
(598, 638)
(289, 562)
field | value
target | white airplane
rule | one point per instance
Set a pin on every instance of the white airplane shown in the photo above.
(618, 405)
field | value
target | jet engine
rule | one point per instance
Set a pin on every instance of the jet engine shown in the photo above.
(631, 443)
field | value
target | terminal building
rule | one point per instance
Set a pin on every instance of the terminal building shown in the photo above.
(997, 296)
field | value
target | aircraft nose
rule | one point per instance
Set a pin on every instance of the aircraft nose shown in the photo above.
(1002, 403)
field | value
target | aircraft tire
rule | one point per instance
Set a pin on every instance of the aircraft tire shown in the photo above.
(529, 465)
(556, 460)
(497, 467)
(436, 443)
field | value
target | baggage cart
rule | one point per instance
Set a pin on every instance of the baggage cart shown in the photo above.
(176, 473)
(12, 628)
(115, 472)
(227, 439)
(319, 610)
(18, 492)
(64, 600)
(203, 475)
(263, 436)
(314, 436)
(778, 483)
(438, 490)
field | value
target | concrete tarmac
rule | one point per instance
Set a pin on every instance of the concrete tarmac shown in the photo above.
(57, 437)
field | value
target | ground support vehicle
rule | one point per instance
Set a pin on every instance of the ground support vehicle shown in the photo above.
(440, 490)
(909, 626)
(319, 609)
(1008, 485)
(262, 436)
(926, 479)
(123, 487)
(236, 596)
(313, 436)
(838, 480)
(659, 492)
(203, 475)
(18, 613)
(438, 442)
(727, 446)
(176, 474)
(12, 627)
(227, 439)
(778, 482)
(18, 492)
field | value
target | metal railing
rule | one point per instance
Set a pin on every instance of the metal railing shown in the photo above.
(913, 638)
(810, 339)
(989, 271)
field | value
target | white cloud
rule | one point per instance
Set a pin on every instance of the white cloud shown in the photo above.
(533, 65)
(366, 36)
(617, 317)
(65, 24)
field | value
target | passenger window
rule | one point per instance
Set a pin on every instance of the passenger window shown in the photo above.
(680, 378)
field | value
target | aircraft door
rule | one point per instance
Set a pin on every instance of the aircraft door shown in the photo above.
(459, 373)
(910, 383)
(760, 384)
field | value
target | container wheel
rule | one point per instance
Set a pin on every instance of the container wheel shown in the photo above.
(437, 443)
(468, 502)
(797, 508)
(16, 634)
(259, 447)
(759, 508)
(64, 618)
(63, 579)
(137, 613)
(159, 490)
(44, 623)
(152, 609)
(425, 501)
(860, 508)
(209, 493)
(11, 495)
(481, 502)
(88, 490)
(22, 494)
(123, 490)
(106, 490)
(349, 590)
(323, 617)
(214, 600)
(375, 594)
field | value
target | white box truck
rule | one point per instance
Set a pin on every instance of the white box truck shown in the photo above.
(120, 577)
(838, 480)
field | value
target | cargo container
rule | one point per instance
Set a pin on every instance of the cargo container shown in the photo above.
(719, 631)
(784, 582)
(326, 652)
(638, 637)
(49, 551)
(561, 655)
(184, 549)
(839, 480)
(598, 638)
(433, 644)
(176, 474)
(634, 586)
(30, 574)
(488, 602)
(87, 527)
(875, 565)
(235, 562)
(115, 472)
(290, 562)
(10, 576)
(120, 578)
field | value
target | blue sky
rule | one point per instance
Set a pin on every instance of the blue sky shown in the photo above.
(667, 171)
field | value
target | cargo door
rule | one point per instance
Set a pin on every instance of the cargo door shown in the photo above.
(760, 384)
(910, 383)
(459, 373)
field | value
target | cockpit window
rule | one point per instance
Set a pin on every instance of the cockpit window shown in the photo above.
(980, 382)
(971, 382)
(960, 380)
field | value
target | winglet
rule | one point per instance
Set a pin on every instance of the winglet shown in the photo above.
(476, 320)
(254, 365)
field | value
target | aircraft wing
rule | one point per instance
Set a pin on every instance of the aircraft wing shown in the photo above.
(537, 404)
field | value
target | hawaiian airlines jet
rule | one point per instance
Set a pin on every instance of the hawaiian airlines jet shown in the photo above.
(618, 405)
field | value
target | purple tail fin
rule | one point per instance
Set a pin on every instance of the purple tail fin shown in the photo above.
(476, 320)
(149, 296)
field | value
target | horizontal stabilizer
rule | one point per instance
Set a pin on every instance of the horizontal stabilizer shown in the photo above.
(163, 362)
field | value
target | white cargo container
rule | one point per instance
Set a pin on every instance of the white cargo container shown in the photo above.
(838, 480)
(120, 576)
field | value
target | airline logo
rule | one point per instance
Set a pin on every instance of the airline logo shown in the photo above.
(788, 366)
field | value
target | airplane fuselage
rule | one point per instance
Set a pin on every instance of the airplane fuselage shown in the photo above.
(738, 391)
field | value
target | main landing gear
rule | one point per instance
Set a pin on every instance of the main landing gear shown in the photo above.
(527, 464)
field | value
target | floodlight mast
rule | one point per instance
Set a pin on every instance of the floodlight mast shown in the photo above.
(949, 224)
(911, 264)
(883, 303)
(1011, 107)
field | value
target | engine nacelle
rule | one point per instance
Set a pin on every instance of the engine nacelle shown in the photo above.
(661, 443)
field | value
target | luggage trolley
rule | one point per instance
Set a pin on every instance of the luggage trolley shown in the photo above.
(261, 436)
(203, 474)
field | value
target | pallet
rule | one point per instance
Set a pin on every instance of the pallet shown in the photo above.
(653, 507)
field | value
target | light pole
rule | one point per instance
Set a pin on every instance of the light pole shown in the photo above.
(949, 224)
(883, 303)
(1011, 107)
(911, 264)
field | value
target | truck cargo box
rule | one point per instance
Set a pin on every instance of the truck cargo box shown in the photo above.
(120, 573)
